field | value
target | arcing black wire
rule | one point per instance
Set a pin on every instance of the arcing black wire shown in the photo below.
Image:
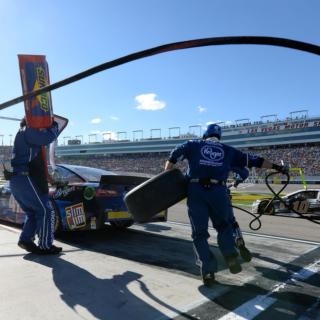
(195, 43)
(256, 218)
(276, 196)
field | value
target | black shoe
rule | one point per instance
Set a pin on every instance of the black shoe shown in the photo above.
(28, 246)
(233, 264)
(245, 254)
(52, 250)
(208, 279)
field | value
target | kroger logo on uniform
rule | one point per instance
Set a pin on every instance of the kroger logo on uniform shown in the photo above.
(212, 153)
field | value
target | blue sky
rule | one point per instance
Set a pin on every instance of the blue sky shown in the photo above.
(176, 89)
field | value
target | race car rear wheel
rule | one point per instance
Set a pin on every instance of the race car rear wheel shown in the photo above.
(122, 224)
(57, 218)
(265, 207)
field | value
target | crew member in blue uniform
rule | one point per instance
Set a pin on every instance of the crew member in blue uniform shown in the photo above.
(210, 162)
(241, 174)
(29, 187)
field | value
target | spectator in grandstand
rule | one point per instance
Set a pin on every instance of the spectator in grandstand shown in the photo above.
(209, 165)
(29, 187)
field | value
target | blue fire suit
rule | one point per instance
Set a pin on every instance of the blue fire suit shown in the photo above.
(210, 159)
(241, 175)
(29, 184)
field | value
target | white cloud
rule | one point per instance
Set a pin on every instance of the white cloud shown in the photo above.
(114, 118)
(148, 102)
(95, 120)
(201, 109)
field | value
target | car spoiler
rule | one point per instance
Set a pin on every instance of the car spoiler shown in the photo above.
(122, 179)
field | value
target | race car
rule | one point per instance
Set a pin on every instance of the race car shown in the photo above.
(302, 201)
(83, 198)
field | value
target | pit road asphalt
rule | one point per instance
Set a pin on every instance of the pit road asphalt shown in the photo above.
(148, 272)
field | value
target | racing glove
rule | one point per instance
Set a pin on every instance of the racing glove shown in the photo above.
(280, 168)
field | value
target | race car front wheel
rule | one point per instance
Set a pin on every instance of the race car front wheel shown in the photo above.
(265, 207)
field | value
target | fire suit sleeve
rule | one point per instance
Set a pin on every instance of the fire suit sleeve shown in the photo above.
(179, 153)
(241, 159)
(242, 172)
(41, 137)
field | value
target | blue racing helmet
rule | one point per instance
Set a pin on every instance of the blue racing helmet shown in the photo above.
(213, 130)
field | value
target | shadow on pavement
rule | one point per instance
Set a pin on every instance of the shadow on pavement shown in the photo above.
(152, 249)
(103, 298)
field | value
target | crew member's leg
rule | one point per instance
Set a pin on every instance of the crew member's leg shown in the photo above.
(220, 215)
(46, 224)
(23, 194)
(199, 217)
(45, 221)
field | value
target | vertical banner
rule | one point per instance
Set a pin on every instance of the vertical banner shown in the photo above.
(34, 74)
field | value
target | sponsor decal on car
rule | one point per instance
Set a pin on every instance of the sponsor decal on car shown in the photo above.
(63, 192)
(75, 215)
(118, 215)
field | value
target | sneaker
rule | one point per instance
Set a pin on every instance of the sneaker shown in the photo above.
(52, 250)
(245, 254)
(208, 279)
(28, 246)
(233, 264)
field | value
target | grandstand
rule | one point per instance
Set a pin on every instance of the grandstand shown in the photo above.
(295, 140)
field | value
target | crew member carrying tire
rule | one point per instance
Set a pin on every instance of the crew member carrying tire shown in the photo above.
(210, 162)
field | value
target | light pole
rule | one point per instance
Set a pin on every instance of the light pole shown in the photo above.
(197, 126)
(64, 139)
(134, 135)
(1, 135)
(81, 138)
(121, 133)
(10, 135)
(155, 130)
(175, 129)
(93, 135)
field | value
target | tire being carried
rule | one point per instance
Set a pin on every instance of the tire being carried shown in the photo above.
(156, 194)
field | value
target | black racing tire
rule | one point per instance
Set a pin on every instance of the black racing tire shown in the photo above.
(57, 218)
(263, 209)
(156, 194)
(122, 224)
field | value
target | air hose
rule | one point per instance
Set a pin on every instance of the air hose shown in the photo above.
(276, 195)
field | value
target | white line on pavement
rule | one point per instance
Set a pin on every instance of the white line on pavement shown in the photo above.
(252, 308)
(15, 230)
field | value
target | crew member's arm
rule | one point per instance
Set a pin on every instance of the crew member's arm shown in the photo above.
(250, 160)
(42, 137)
(178, 153)
(260, 162)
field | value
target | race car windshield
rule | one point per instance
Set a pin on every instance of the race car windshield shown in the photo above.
(90, 174)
